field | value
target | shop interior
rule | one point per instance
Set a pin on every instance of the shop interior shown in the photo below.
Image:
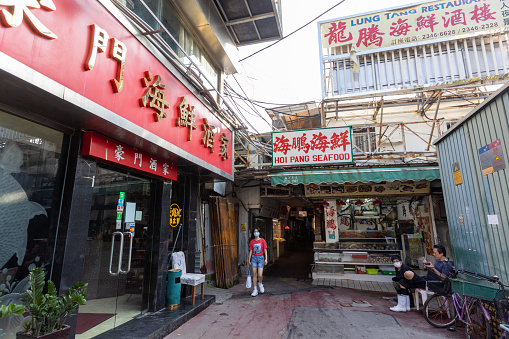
(371, 227)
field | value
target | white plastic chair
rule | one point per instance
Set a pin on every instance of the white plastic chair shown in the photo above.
(178, 261)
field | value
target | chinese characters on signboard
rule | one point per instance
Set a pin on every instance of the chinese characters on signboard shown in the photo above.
(395, 187)
(492, 158)
(21, 9)
(98, 146)
(411, 25)
(331, 221)
(175, 215)
(154, 95)
(306, 147)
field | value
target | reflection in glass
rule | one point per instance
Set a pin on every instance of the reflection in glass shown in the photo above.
(29, 156)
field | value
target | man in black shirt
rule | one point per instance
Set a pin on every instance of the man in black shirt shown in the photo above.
(437, 275)
(403, 286)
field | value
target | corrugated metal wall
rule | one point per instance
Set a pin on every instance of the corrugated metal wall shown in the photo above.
(477, 245)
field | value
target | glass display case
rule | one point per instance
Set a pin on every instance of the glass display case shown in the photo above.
(370, 249)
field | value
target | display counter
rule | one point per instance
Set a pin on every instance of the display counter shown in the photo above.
(358, 255)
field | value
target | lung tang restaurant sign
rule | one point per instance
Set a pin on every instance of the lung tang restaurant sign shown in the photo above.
(312, 147)
(81, 46)
(413, 25)
(98, 146)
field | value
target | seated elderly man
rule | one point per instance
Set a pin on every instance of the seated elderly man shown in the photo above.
(408, 279)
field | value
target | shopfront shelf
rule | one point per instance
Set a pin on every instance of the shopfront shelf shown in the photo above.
(352, 263)
(349, 250)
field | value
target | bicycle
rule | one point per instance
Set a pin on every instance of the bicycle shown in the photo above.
(463, 302)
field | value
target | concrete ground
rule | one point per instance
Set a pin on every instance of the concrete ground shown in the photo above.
(292, 307)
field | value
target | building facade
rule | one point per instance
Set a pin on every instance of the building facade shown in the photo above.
(111, 125)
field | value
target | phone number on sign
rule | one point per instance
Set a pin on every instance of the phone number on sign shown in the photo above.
(436, 35)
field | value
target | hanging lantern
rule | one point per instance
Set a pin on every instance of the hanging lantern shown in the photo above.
(287, 227)
(377, 202)
(325, 203)
(341, 203)
(358, 203)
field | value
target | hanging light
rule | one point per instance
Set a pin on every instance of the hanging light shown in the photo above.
(287, 227)
(325, 203)
(341, 203)
(358, 202)
(377, 202)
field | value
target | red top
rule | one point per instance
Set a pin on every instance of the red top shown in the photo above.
(258, 246)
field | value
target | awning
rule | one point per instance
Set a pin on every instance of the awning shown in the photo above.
(352, 176)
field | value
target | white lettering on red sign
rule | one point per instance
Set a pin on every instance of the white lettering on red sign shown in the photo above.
(153, 164)
(119, 153)
(137, 156)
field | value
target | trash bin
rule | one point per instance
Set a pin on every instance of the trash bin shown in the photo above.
(173, 288)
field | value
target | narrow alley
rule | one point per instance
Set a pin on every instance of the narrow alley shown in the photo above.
(292, 307)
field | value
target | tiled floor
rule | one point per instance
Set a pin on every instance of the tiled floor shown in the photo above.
(356, 284)
(127, 307)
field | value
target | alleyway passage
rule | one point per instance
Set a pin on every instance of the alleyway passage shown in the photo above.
(320, 312)
(294, 263)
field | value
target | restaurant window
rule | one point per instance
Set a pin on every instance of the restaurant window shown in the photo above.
(29, 206)
(364, 139)
(168, 15)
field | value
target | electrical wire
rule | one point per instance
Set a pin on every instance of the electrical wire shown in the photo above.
(298, 29)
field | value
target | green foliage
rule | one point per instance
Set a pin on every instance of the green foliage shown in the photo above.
(11, 309)
(50, 311)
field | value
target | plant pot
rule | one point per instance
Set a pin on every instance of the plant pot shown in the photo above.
(60, 334)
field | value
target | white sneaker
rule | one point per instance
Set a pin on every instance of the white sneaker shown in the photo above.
(255, 292)
(262, 290)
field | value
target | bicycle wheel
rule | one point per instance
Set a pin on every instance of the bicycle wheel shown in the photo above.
(478, 326)
(439, 311)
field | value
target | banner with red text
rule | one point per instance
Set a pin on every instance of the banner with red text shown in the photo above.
(412, 25)
(312, 147)
(331, 221)
(104, 148)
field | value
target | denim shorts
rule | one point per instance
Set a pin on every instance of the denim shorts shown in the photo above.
(257, 261)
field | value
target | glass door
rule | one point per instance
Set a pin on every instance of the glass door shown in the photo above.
(115, 253)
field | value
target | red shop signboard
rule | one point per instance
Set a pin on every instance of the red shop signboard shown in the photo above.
(80, 45)
(101, 147)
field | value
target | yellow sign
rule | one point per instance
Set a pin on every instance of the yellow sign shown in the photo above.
(457, 174)
(243, 227)
(175, 215)
(413, 25)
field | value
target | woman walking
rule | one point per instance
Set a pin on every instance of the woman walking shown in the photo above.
(257, 259)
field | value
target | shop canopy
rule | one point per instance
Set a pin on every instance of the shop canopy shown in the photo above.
(352, 176)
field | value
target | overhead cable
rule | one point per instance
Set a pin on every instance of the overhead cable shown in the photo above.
(298, 29)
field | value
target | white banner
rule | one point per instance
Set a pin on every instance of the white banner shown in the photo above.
(312, 147)
(416, 24)
(331, 222)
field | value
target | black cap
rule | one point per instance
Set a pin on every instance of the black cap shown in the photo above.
(394, 257)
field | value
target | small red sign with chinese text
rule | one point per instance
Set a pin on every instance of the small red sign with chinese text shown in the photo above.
(98, 146)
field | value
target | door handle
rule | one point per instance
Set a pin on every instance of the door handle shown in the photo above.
(130, 253)
(111, 254)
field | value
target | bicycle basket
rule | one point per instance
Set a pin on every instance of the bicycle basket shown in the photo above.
(475, 290)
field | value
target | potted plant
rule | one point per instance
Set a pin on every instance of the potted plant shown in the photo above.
(11, 309)
(49, 311)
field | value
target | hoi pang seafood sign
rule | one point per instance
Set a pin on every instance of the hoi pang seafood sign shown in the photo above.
(312, 147)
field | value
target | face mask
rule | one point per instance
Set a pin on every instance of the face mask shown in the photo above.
(256, 234)
(397, 264)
